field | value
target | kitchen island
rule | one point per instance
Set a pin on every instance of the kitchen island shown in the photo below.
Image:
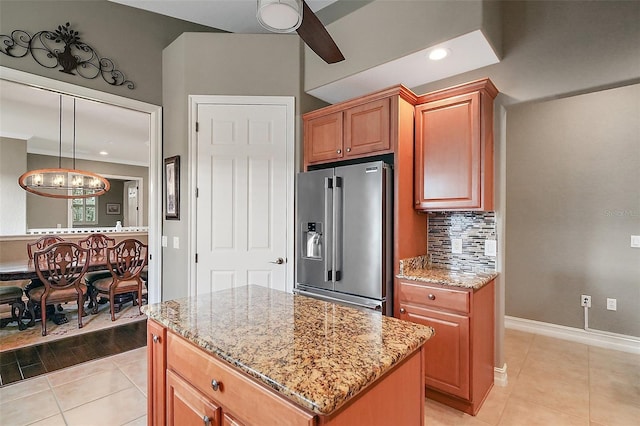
(252, 355)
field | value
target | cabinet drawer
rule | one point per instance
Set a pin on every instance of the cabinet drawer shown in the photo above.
(434, 297)
(240, 394)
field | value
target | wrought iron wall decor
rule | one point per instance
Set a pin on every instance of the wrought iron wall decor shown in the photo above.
(63, 48)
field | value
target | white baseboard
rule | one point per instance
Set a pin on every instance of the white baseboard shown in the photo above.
(618, 342)
(500, 375)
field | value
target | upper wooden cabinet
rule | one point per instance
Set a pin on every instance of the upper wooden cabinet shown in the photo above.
(353, 129)
(454, 148)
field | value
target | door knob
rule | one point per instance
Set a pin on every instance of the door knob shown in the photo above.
(348, 149)
(278, 261)
(339, 151)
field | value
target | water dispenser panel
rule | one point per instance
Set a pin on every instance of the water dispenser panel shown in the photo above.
(312, 240)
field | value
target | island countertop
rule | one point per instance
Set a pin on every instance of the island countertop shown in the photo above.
(419, 269)
(317, 354)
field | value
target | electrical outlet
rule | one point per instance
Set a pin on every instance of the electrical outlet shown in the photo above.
(456, 245)
(635, 241)
(164, 241)
(585, 300)
(612, 304)
(490, 248)
(176, 242)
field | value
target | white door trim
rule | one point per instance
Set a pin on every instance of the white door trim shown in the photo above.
(289, 103)
(155, 157)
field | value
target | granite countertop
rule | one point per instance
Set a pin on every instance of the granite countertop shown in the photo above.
(419, 269)
(316, 353)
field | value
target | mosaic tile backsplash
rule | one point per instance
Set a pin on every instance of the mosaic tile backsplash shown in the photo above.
(474, 228)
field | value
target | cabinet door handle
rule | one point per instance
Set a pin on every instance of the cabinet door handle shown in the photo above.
(348, 149)
(431, 296)
(339, 151)
(156, 339)
(403, 310)
(215, 385)
(206, 420)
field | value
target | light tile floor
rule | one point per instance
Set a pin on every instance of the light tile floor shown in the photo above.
(109, 391)
(551, 383)
(555, 382)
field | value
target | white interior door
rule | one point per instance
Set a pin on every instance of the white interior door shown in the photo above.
(244, 193)
(130, 203)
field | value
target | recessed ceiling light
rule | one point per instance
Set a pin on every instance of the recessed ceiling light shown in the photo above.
(104, 153)
(439, 53)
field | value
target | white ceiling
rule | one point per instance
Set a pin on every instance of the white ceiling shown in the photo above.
(468, 52)
(33, 115)
(236, 16)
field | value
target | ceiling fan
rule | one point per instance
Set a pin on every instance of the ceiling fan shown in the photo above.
(283, 16)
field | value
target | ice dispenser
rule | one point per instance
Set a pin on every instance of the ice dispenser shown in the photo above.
(312, 240)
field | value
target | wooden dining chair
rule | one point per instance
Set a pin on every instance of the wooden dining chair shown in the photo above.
(39, 244)
(127, 260)
(97, 244)
(42, 243)
(61, 268)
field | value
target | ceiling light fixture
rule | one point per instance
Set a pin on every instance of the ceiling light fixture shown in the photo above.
(280, 16)
(439, 53)
(62, 182)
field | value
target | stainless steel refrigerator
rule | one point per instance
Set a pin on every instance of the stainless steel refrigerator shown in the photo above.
(343, 233)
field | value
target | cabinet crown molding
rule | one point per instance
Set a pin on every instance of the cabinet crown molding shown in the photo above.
(485, 85)
(398, 90)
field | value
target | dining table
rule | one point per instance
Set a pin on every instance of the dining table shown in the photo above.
(25, 269)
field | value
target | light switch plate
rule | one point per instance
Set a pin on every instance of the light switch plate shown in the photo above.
(456, 245)
(635, 241)
(165, 241)
(612, 304)
(176, 242)
(490, 248)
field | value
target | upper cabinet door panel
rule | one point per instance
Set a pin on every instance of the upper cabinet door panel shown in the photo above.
(323, 138)
(367, 128)
(448, 152)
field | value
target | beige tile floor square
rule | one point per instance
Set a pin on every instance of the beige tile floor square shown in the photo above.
(551, 383)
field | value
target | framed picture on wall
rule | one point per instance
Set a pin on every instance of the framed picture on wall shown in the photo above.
(172, 188)
(113, 208)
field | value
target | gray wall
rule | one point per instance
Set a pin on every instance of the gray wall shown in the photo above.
(218, 64)
(131, 37)
(573, 200)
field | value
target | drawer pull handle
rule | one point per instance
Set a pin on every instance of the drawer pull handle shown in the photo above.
(403, 310)
(206, 420)
(431, 296)
(215, 385)
(339, 151)
(156, 339)
(348, 149)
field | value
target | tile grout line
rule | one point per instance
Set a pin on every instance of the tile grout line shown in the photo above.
(55, 397)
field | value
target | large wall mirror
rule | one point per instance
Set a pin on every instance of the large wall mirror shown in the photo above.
(116, 137)
(37, 129)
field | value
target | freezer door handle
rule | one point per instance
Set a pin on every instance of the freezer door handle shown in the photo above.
(328, 220)
(337, 228)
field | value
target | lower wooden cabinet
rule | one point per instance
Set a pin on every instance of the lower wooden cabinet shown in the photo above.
(156, 380)
(459, 358)
(187, 406)
(190, 387)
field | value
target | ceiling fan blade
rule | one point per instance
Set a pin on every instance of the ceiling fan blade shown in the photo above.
(316, 36)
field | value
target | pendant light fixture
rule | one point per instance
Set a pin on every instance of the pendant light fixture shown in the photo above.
(64, 182)
(280, 16)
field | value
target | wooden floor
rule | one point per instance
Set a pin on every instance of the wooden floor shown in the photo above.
(29, 362)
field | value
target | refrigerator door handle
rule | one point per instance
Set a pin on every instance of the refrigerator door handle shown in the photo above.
(337, 229)
(328, 220)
